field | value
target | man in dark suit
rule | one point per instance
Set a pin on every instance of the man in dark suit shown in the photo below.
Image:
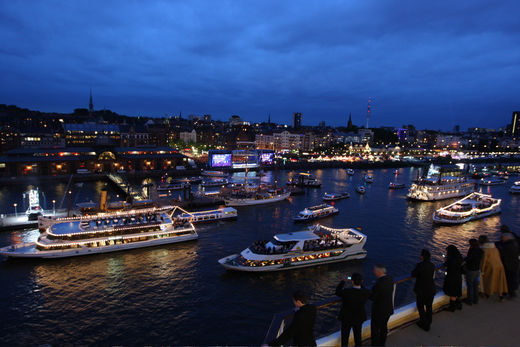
(424, 289)
(301, 328)
(382, 295)
(352, 313)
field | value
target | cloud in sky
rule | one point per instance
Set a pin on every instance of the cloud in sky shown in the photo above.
(432, 64)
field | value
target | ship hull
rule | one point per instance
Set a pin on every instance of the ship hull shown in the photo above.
(252, 202)
(30, 250)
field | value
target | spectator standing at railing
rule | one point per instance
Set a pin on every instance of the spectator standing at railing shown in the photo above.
(473, 261)
(301, 329)
(453, 280)
(509, 256)
(424, 289)
(493, 274)
(352, 313)
(382, 295)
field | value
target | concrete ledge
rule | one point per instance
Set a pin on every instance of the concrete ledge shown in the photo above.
(402, 316)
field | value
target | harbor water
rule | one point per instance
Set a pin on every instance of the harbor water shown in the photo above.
(178, 294)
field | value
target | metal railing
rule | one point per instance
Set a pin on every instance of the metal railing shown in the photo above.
(278, 322)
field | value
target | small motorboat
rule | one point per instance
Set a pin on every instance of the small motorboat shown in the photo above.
(350, 172)
(369, 178)
(335, 196)
(361, 189)
(515, 188)
(394, 185)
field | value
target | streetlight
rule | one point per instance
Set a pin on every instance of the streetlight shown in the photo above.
(15, 211)
(54, 207)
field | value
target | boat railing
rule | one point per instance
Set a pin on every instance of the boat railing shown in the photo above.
(281, 319)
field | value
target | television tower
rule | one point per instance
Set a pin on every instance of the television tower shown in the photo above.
(368, 111)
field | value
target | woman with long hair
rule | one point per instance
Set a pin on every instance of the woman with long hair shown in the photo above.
(453, 281)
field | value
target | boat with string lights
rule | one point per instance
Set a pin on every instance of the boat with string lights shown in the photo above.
(225, 213)
(474, 206)
(440, 188)
(107, 232)
(314, 246)
(258, 197)
(315, 212)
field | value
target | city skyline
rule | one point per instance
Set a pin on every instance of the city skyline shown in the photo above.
(431, 65)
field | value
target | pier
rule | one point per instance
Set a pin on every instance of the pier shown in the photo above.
(122, 184)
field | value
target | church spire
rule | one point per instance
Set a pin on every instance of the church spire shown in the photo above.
(349, 124)
(90, 103)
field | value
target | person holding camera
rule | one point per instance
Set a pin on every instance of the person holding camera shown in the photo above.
(352, 313)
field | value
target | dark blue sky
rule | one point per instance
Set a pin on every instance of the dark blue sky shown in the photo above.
(429, 63)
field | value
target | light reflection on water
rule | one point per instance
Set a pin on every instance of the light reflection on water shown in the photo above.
(164, 295)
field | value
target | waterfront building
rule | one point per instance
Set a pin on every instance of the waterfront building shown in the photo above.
(134, 136)
(91, 134)
(65, 161)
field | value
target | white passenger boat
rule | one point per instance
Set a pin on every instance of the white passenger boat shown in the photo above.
(256, 198)
(215, 183)
(361, 189)
(225, 213)
(111, 232)
(492, 181)
(369, 178)
(350, 172)
(315, 212)
(395, 185)
(335, 196)
(440, 188)
(314, 246)
(473, 206)
(515, 188)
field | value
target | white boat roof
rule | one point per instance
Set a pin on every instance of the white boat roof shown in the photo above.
(297, 236)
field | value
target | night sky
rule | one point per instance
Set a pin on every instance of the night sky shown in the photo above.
(433, 64)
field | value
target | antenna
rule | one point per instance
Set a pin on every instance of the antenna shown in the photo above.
(368, 110)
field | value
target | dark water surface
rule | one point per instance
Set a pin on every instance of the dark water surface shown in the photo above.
(178, 294)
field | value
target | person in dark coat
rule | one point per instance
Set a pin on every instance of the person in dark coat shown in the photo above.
(509, 254)
(352, 313)
(453, 281)
(424, 289)
(301, 329)
(382, 295)
(473, 261)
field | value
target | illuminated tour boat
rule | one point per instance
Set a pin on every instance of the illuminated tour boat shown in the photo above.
(350, 172)
(369, 178)
(361, 189)
(225, 213)
(492, 181)
(109, 232)
(473, 206)
(335, 196)
(440, 188)
(314, 246)
(315, 212)
(515, 188)
(168, 187)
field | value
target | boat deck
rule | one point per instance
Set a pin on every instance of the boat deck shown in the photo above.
(104, 224)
